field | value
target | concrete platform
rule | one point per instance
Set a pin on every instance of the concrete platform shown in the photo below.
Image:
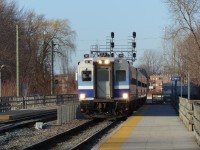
(152, 127)
(15, 114)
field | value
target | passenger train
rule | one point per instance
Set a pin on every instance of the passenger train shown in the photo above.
(110, 86)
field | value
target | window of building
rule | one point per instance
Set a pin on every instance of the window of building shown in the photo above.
(120, 75)
(86, 75)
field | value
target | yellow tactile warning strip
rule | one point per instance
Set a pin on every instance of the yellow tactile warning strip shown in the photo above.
(117, 140)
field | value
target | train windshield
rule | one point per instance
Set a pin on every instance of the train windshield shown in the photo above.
(86, 75)
(120, 75)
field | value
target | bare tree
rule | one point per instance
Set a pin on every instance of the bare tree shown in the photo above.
(172, 60)
(9, 15)
(35, 49)
(152, 62)
(40, 34)
(186, 28)
(186, 16)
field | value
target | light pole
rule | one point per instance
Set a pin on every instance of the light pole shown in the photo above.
(188, 85)
(2, 66)
(17, 60)
(52, 67)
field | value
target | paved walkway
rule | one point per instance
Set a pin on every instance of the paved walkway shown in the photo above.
(153, 127)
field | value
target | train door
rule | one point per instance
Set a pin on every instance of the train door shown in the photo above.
(103, 82)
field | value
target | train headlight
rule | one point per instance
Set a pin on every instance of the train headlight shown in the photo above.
(125, 95)
(107, 62)
(82, 96)
(100, 61)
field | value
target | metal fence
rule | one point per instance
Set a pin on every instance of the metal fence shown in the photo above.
(16, 103)
(175, 103)
(157, 98)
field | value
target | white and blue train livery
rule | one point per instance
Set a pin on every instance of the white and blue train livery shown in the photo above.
(109, 85)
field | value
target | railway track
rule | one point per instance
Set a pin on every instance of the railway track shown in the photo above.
(76, 137)
(24, 121)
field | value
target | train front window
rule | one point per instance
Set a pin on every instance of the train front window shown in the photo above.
(120, 75)
(86, 75)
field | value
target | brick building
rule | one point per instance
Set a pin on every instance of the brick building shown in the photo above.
(156, 82)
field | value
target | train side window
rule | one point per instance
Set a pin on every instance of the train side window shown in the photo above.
(120, 75)
(86, 75)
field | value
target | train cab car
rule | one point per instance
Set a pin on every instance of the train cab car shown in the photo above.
(106, 86)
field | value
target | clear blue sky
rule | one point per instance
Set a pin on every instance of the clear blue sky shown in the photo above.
(94, 20)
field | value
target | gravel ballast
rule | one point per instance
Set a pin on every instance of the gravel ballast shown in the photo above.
(21, 138)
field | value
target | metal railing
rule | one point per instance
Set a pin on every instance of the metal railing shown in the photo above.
(157, 98)
(17, 103)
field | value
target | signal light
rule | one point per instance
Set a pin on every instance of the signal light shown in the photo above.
(112, 35)
(134, 44)
(134, 34)
(134, 55)
(112, 44)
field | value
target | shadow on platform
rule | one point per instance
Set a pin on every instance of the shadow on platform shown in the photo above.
(149, 109)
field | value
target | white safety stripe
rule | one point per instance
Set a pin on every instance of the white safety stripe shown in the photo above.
(85, 87)
(92, 87)
(122, 87)
(87, 99)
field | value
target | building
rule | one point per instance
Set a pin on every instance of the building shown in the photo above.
(156, 82)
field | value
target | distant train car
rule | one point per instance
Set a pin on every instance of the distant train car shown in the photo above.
(110, 86)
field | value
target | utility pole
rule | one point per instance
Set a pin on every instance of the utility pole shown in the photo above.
(17, 60)
(0, 83)
(52, 67)
(188, 85)
(1, 68)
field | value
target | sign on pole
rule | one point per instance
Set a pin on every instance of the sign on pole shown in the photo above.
(175, 78)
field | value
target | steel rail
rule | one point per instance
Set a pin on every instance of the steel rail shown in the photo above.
(24, 121)
(94, 136)
(52, 141)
